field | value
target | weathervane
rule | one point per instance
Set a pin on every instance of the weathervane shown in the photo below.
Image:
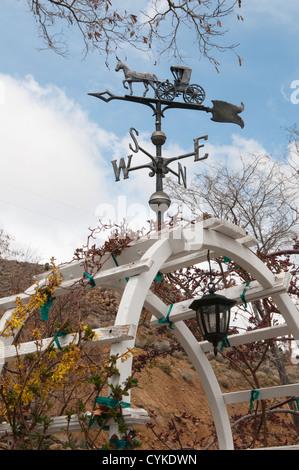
(165, 93)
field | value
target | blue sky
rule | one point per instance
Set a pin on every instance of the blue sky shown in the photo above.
(57, 142)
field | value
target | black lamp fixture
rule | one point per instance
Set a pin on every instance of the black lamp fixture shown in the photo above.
(213, 314)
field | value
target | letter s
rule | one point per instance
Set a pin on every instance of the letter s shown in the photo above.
(136, 149)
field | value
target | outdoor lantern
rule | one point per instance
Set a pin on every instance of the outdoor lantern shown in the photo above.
(213, 315)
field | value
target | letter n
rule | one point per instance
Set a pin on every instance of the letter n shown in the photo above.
(182, 175)
(121, 168)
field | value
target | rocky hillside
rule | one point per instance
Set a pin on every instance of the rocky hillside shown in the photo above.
(16, 276)
(169, 388)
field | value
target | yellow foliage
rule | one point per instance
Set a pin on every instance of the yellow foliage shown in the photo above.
(35, 301)
(32, 383)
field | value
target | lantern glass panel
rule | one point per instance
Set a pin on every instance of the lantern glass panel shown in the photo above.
(208, 318)
(214, 319)
(224, 316)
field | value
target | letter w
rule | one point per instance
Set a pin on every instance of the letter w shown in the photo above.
(122, 167)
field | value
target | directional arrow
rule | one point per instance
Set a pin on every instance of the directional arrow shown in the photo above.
(222, 111)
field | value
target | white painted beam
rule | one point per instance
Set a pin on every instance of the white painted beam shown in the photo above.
(224, 245)
(181, 311)
(261, 334)
(289, 310)
(184, 260)
(178, 238)
(103, 276)
(225, 227)
(264, 393)
(294, 447)
(132, 417)
(107, 335)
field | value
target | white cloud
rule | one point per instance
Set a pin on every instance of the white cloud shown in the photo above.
(240, 146)
(53, 168)
(230, 153)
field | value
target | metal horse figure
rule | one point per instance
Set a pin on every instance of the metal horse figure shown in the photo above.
(132, 76)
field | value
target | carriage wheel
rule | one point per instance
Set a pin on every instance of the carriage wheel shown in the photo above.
(166, 91)
(194, 94)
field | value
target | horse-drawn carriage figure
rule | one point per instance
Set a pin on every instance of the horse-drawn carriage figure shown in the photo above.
(165, 90)
(191, 93)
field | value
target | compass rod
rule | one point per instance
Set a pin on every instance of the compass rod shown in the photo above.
(147, 154)
(139, 167)
(172, 159)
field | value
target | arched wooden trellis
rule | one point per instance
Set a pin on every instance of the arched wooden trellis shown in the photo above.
(168, 252)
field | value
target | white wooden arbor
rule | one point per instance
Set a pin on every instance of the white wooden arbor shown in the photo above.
(137, 267)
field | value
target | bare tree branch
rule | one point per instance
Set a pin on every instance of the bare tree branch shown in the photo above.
(106, 27)
(261, 196)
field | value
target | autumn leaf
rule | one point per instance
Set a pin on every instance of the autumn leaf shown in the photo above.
(134, 18)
